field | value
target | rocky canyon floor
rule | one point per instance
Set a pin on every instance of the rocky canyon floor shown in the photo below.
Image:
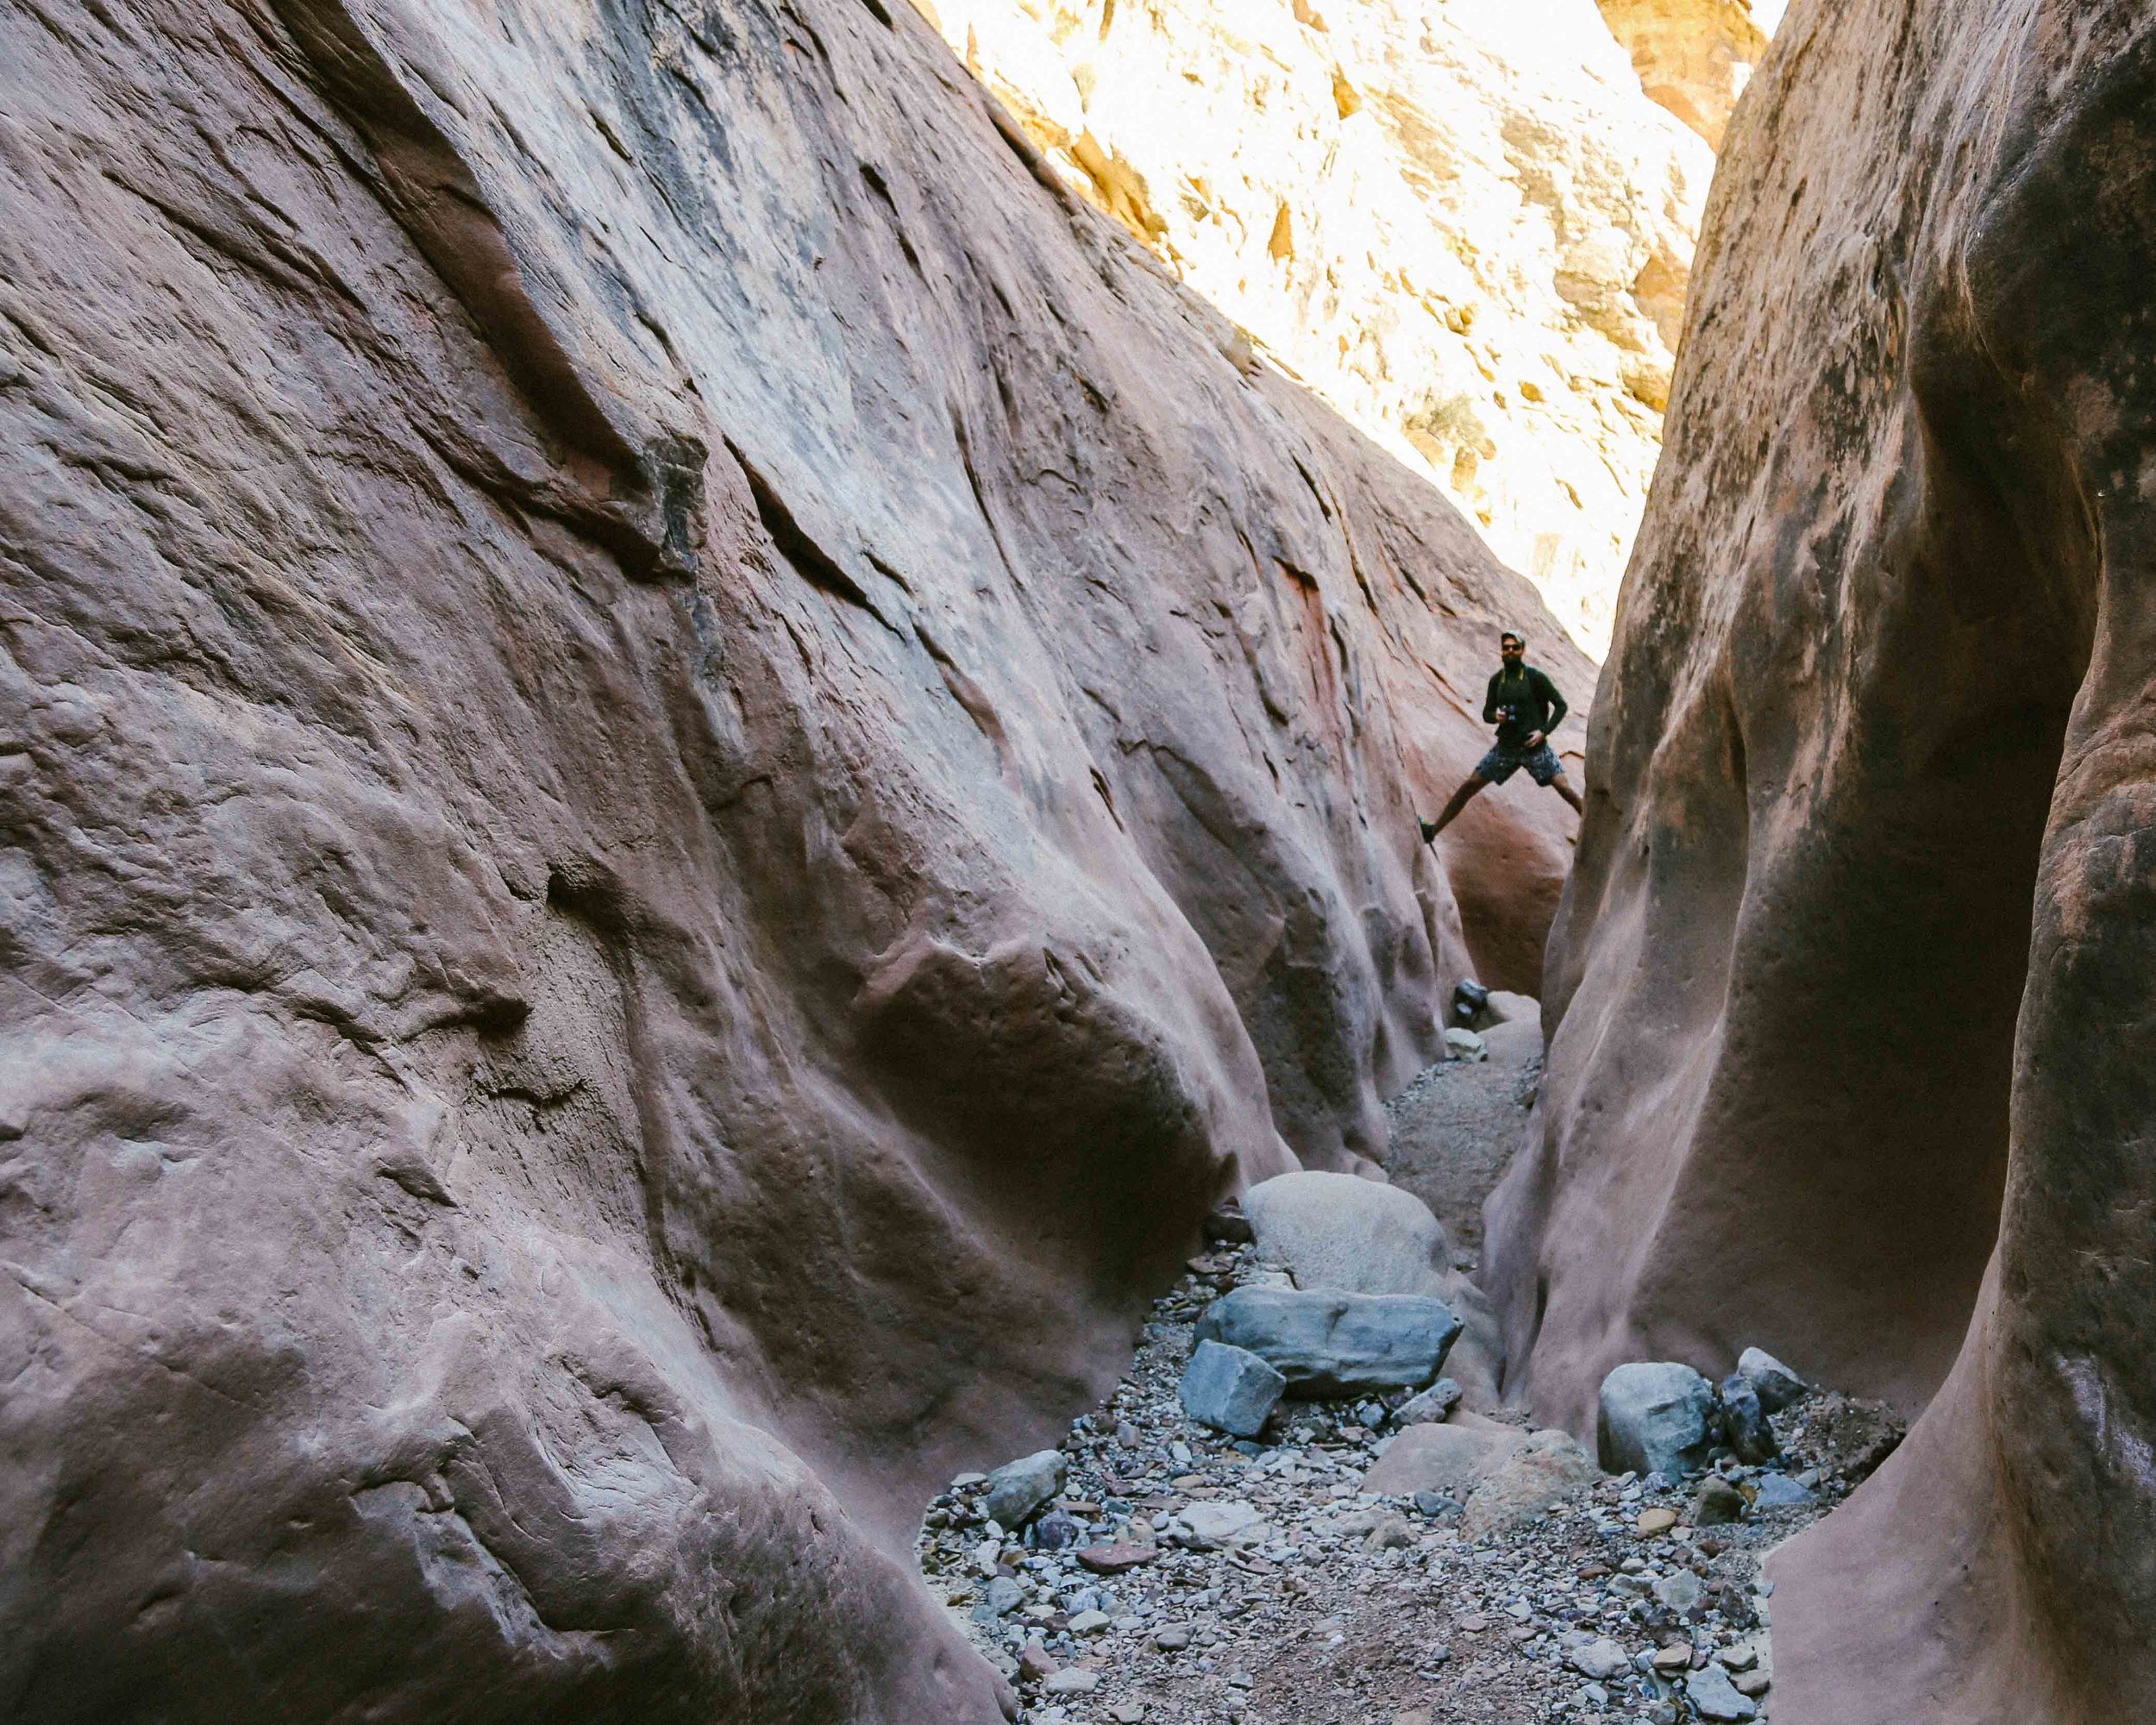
(1181, 1578)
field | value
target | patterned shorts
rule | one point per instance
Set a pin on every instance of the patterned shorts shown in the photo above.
(1501, 762)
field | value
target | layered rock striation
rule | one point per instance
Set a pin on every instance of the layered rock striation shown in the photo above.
(686, 764)
(1694, 57)
(1850, 991)
(1464, 226)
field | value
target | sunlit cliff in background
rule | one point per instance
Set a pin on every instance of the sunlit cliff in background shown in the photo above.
(1463, 223)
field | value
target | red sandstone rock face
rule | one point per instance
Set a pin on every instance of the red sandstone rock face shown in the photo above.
(1851, 990)
(684, 770)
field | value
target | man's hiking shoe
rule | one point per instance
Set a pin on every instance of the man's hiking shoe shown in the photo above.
(1429, 831)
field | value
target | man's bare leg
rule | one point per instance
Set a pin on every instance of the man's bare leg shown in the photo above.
(1461, 798)
(1563, 786)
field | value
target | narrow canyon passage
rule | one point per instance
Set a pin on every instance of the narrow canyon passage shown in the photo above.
(1380, 1556)
(715, 724)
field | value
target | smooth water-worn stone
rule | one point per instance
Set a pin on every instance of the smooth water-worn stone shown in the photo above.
(1019, 1491)
(1230, 1389)
(1325, 1343)
(1655, 1417)
(1222, 1524)
(1340, 1230)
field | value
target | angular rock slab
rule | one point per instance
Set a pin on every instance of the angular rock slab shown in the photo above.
(1744, 1426)
(1775, 1384)
(1230, 1389)
(1341, 1231)
(1222, 1525)
(1654, 1416)
(1330, 1344)
(1714, 1696)
(1780, 1492)
(1600, 1660)
(1428, 1407)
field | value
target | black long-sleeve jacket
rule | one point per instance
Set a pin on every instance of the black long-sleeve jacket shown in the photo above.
(1520, 703)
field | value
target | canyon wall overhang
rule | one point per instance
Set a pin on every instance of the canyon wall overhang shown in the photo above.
(685, 766)
(1851, 989)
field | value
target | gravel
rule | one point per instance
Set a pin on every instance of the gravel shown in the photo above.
(1199, 1579)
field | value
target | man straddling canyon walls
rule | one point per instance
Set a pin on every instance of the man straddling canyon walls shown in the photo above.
(1525, 708)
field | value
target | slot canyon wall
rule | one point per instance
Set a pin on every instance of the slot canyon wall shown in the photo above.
(686, 763)
(1465, 226)
(1850, 992)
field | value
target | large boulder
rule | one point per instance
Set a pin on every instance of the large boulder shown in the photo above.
(1504, 1477)
(1655, 1416)
(1547, 1469)
(1330, 1344)
(1450, 1460)
(1339, 1230)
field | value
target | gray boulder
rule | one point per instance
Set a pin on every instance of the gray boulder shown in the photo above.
(1654, 1416)
(1215, 1524)
(1332, 1344)
(1678, 1592)
(1428, 1407)
(1230, 1389)
(1779, 1491)
(1714, 1696)
(1341, 1231)
(1776, 1385)
(1745, 1428)
(1019, 1490)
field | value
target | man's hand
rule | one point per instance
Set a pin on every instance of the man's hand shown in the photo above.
(1534, 739)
